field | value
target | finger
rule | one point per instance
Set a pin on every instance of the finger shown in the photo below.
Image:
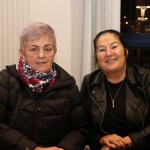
(105, 148)
(119, 143)
(110, 144)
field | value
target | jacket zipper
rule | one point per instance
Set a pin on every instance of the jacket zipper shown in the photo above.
(102, 114)
(38, 106)
(141, 117)
(38, 111)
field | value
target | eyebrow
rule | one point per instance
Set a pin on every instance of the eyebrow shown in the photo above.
(102, 46)
(110, 44)
(44, 45)
(114, 43)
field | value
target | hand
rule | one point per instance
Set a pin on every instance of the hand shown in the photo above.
(108, 148)
(105, 148)
(113, 141)
(48, 148)
(128, 142)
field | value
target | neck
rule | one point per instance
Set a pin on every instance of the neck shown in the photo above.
(116, 77)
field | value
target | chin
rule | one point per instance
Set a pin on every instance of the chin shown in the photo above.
(43, 71)
(42, 68)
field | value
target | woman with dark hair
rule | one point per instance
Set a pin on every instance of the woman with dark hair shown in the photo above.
(117, 97)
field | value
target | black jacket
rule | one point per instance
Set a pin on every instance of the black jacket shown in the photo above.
(53, 118)
(137, 105)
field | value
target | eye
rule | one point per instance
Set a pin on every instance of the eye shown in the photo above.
(114, 46)
(34, 49)
(101, 49)
(48, 49)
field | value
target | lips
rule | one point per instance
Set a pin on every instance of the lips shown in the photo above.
(111, 60)
(39, 63)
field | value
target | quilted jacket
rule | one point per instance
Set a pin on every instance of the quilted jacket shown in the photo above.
(53, 118)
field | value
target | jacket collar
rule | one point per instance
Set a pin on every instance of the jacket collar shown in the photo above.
(62, 79)
(130, 75)
(96, 78)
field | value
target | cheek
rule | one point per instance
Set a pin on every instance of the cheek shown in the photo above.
(100, 62)
(100, 58)
(30, 60)
(50, 57)
(123, 55)
(26, 56)
(122, 59)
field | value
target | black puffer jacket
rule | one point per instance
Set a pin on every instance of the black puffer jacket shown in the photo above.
(53, 118)
(137, 106)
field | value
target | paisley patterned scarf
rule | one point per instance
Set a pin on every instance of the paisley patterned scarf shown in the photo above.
(34, 79)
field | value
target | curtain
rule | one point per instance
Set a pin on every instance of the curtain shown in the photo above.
(98, 15)
(13, 15)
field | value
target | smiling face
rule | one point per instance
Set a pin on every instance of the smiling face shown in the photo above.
(39, 54)
(110, 53)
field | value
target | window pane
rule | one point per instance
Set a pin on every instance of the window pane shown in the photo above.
(135, 16)
(135, 24)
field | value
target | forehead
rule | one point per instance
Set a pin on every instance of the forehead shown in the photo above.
(108, 38)
(41, 40)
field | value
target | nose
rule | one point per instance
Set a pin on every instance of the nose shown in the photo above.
(41, 53)
(108, 51)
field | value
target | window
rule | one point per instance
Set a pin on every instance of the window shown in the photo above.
(135, 26)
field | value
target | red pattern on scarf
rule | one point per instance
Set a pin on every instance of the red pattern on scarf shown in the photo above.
(32, 81)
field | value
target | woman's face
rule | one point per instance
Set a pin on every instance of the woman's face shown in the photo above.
(110, 53)
(39, 54)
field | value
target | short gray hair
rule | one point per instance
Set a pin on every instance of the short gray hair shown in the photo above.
(35, 31)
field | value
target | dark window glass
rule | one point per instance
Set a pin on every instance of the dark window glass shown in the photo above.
(135, 16)
(135, 26)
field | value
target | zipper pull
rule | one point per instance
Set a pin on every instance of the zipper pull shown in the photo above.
(38, 108)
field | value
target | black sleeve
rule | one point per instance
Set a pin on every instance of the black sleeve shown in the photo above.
(9, 137)
(76, 139)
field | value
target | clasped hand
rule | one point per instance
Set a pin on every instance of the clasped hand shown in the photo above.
(48, 148)
(115, 141)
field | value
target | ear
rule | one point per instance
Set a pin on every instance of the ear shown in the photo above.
(21, 52)
(127, 52)
(55, 50)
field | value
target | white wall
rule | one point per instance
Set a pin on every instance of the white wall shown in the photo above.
(77, 38)
(57, 13)
(13, 15)
(65, 16)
